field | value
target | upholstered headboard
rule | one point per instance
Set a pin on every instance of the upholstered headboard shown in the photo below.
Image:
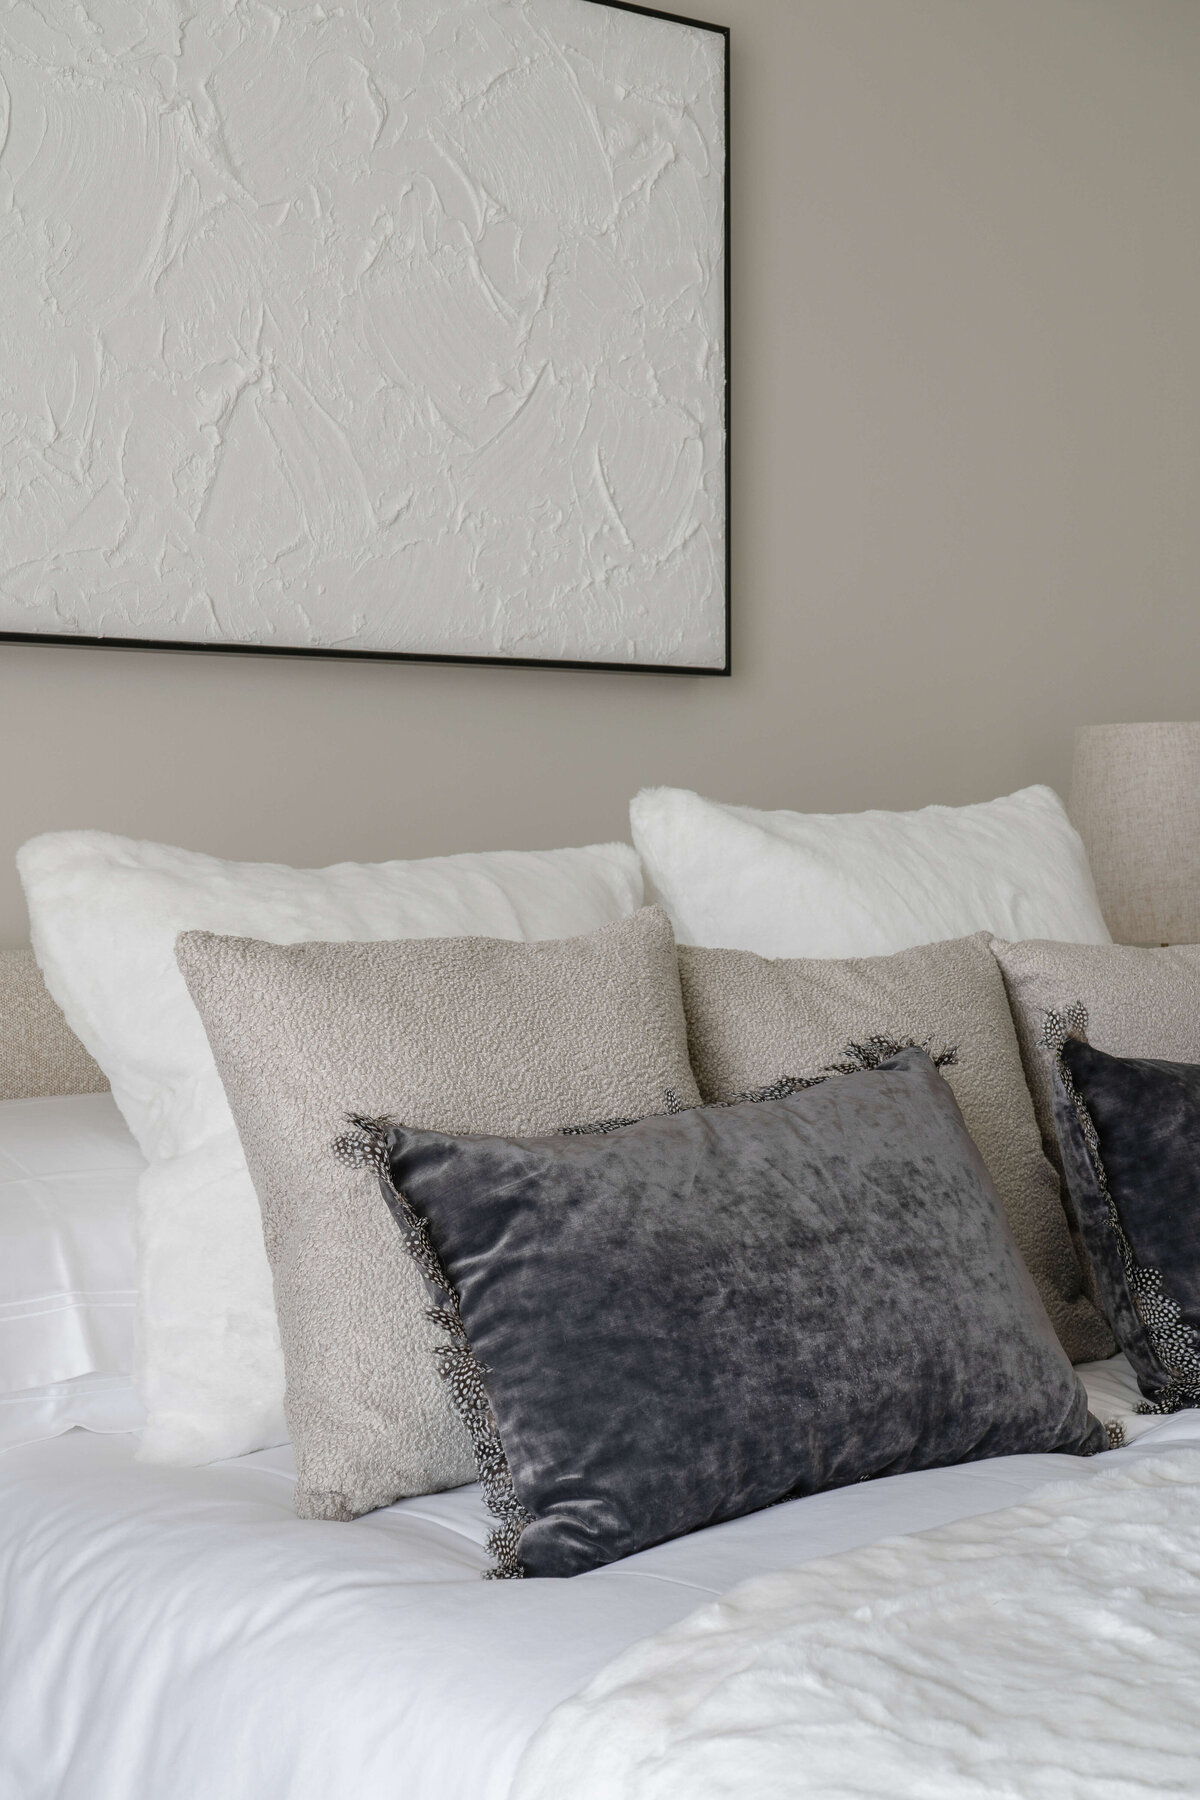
(39, 1053)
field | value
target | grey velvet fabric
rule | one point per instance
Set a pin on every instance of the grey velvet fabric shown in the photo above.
(1136, 1189)
(699, 1314)
(750, 1019)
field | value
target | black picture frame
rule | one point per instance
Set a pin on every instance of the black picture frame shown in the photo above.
(333, 654)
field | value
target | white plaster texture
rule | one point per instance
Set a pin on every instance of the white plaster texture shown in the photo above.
(384, 326)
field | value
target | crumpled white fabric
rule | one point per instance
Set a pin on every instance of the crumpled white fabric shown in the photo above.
(1047, 1652)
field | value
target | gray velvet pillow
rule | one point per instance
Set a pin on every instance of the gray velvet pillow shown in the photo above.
(677, 1321)
(749, 1018)
(457, 1034)
(1129, 1131)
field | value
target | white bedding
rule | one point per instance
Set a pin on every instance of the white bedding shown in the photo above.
(1049, 1651)
(68, 1186)
(181, 1633)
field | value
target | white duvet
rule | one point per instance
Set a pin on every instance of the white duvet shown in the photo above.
(172, 1634)
(1049, 1651)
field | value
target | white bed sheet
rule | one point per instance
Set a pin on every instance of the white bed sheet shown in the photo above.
(178, 1634)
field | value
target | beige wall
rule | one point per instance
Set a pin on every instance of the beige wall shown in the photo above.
(966, 472)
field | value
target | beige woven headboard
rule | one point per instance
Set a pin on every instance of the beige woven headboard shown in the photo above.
(39, 1053)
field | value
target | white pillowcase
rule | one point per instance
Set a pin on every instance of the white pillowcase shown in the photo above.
(105, 912)
(865, 884)
(91, 1402)
(68, 1189)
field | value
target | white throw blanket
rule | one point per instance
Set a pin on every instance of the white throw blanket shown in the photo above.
(1047, 1652)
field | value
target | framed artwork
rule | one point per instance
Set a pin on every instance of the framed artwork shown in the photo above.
(372, 331)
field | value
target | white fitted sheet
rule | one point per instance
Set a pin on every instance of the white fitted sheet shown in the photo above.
(180, 1632)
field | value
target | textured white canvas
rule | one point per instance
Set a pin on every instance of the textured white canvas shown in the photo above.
(379, 327)
(865, 884)
(105, 912)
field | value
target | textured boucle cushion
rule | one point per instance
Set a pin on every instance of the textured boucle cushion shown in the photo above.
(39, 1053)
(455, 1034)
(750, 1018)
(684, 1319)
(1129, 1130)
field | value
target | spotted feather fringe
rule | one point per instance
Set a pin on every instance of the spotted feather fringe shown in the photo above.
(365, 1146)
(601, 1127)
(1175, 1343)
(856, 1059)
(871, 1054)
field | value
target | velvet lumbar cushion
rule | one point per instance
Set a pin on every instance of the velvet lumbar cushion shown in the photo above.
(455, 1034)
(749, 1017)
(659, 1325)
(1129, 1131)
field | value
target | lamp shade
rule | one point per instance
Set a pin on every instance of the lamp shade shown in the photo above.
(1135, 801)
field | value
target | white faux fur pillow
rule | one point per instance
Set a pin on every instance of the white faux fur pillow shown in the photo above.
(105, 912)
(865, 884)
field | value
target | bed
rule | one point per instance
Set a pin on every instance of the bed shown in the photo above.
(180, 1631)
(189, 1626)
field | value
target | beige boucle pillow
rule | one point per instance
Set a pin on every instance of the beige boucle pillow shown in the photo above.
(39, 1053)
(750, 1020)
(447, 1034)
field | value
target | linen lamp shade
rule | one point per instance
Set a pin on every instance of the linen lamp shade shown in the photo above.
(1135, 801)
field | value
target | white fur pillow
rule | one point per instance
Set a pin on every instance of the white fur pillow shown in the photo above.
(865, 884)
(105, 912)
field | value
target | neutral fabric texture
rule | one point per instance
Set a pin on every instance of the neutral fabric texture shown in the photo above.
(864, 884)
(697, 1315)
(1139, 1003)
(1049, 1650)
(105, 912)
(456, 1034)
(68, 1185)
(195, 1640)
(1135, 799)
(750, 1019)
(39, 1053)
(1129, 1129)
